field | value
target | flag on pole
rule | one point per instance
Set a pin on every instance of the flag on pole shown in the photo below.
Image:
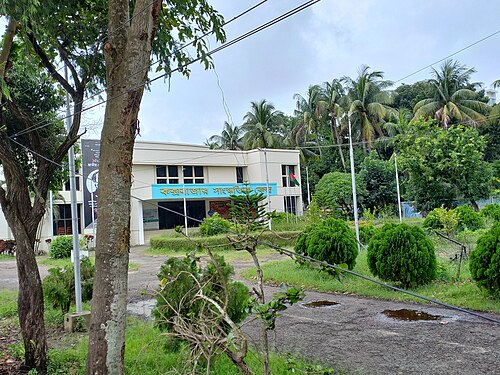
(293, 180)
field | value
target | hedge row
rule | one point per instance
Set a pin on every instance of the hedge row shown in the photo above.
(181, 244)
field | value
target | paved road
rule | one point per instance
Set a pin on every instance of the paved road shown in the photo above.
(352, 335)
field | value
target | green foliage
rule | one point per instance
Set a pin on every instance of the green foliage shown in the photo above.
(180, 281)
(182, 244)
(442, 219)
(491, 211)
(269, 311)
(443, 165)
(485, 261)
(61, 247)
(468, 218)
(331, 241)
(402, 253)
(366, 232)
(248, 211)
(409, 95)
(379, 178)
(59, 285)
(214, 225)
(334, 193)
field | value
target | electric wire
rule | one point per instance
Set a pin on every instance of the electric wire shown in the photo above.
(140, 71)
(328, 265)
(310, 259)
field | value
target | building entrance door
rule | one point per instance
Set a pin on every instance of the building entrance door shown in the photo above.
(168, 219)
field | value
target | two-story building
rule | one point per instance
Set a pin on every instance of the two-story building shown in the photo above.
(169, 179)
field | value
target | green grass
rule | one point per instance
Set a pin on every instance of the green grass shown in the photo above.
(8, 303)
(463, 293)
(6, 257)
(149, 352)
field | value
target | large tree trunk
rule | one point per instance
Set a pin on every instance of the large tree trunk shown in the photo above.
(30, 297)
(128, 51)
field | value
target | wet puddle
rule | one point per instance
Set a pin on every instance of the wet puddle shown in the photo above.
(316, 304)
(410, 315)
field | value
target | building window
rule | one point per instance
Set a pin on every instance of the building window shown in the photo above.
(192, 174)
(285, 174)
(290, 204)
(66, 186)
(167, 174)
(239, 175)
(62, 220)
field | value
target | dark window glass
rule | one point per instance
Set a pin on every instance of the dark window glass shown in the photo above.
(67, 186)
(173, 181)
(188, 180)
(290, 204)
(198, 181)
(291, 169)
(198, 171)
(285, 181)
(161, 180)
(173, 171)
(161, 171)
(283, 169)
(63, 224)
(187, 171)
(239, 175)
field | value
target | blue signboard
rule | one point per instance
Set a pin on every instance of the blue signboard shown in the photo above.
(202, 191)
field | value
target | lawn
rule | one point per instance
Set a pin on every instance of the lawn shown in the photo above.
(148, 350)
(463, 293)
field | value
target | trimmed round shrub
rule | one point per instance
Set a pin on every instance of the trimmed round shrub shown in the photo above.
(214, 225)
(468, 218)
(331, 241)
(484, 262)
(491, 211)
(61, 247)
(402, 253)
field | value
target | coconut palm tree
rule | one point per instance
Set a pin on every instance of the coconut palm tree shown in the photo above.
(368, 103)
(262, 126)
(308, 114)
(454, 98)
(230, 138)
(331, 102)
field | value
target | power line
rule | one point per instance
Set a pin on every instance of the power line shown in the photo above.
(450, 55)
(328, 265)
(147, 67)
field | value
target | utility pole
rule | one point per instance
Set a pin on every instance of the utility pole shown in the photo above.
(267, 190)
(397, 187)
(74, 209)
(353, 179)
(308, 190)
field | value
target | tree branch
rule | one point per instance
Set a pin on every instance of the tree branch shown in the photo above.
(49, 66)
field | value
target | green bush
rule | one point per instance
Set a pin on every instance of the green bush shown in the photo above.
(366, 232)
(179, 280)
(61, 247)
(59, 285)
(491, 211)
(214, 225)
(484, 261)
(182, 244)
(402, 253)
(331, 241)
(468, 218)
(433, 219)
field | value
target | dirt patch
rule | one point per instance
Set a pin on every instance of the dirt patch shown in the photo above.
(8, 336)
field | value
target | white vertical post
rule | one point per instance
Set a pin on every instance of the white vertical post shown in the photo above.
(51, 204)
(397, 187)
(140, 223)
(74, 209)
(308, 190)
(353, 179)
(267, 190)
(185, 205)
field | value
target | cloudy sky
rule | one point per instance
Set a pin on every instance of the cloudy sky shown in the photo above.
(331, 39)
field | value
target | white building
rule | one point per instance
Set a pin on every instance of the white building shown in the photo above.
(166, 174)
